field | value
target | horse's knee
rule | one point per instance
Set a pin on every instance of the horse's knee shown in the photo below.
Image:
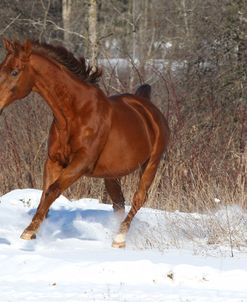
(53, 190)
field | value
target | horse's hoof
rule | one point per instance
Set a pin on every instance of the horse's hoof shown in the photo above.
(28, 235)
(119, 245)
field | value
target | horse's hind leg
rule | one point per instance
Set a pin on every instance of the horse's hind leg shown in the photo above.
(138, 199)
(113, 188)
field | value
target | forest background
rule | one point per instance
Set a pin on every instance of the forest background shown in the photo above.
(194, 55)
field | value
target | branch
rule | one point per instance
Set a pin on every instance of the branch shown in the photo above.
(57, 27)
(8, 26)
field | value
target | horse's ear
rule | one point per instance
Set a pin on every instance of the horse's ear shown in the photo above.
(27, 47)
(8, 45)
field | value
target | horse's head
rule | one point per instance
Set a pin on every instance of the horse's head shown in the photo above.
(16, 79)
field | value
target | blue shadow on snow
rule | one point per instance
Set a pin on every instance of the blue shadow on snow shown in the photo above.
(61, 223)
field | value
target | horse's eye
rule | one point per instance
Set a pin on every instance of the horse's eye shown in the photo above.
(14, 73)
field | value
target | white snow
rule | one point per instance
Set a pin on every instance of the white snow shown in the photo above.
(72, 258)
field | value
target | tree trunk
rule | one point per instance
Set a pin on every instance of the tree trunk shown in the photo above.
(134, 44)
(92, 32)
(185, 16)
(67, 4)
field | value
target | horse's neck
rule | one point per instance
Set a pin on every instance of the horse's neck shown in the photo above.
(57, 88)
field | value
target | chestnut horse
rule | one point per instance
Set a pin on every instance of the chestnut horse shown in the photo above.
(91, 134)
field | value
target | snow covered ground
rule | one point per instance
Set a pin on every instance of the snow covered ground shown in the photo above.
(72, 258)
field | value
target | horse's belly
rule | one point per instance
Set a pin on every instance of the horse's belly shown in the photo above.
(124, 152)
(116, 164)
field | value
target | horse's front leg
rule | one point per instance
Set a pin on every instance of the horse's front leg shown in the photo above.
(67, 177)
(52, 170)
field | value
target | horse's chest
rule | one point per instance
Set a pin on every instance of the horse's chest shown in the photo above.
(64, 144)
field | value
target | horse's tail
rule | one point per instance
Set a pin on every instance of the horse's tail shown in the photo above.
(144, 91)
